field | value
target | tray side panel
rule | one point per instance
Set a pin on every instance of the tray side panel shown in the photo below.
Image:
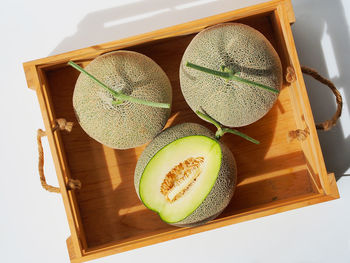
(303, 114)
(57, 153)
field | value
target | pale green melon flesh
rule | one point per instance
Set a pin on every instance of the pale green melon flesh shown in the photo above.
(169, 157)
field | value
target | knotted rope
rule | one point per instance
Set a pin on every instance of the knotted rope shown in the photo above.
(72, 184)
(326, 125)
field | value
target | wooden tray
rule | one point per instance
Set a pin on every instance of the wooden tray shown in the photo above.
(105, 215)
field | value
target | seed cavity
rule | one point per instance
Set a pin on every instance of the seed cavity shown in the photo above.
(180, 178)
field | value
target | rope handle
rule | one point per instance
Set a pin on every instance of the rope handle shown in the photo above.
(72, 184)
(328, 124)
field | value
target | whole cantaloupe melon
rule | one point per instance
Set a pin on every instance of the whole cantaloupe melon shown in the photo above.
(240, 49)
(186, 175)
(127, 124)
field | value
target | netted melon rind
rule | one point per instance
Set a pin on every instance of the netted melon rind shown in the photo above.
(129, 124)
(241, 48)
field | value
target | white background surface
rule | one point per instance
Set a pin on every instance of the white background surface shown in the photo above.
(33, 225)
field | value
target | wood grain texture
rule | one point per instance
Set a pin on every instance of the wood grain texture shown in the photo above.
(106, 217)
(38, 80)
(301, 106)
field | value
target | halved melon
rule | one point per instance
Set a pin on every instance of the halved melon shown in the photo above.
(186, 175)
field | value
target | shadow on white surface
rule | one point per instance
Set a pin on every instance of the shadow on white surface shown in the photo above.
(140, 16)
(322, 39)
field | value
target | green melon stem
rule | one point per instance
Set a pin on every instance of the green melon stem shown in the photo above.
(230, 75)
(118, 95)
(222, 130)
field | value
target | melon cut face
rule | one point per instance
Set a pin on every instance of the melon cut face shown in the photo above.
(186, 175)
(178, 178)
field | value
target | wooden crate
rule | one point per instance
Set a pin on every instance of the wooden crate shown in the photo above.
(105, 215)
